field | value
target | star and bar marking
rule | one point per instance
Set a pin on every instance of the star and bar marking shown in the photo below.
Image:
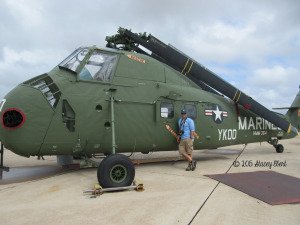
(217, 113)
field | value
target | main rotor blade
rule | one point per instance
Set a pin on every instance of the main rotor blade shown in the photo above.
(195, 70)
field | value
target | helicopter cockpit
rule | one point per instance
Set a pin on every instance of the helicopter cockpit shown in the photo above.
(91, 64)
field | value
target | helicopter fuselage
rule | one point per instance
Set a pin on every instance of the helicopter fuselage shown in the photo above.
(69, 110)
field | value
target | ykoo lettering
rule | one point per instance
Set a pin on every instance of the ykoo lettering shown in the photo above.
(227, 134)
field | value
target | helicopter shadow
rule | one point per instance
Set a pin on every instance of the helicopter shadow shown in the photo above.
(29, 173)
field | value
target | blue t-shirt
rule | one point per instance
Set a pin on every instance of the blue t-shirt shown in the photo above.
(186, 127)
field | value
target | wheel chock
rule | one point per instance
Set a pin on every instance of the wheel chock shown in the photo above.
(98, 190)
(139, 186)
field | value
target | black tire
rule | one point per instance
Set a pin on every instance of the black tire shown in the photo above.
(101, 165)
(115, 171)
(279, 148)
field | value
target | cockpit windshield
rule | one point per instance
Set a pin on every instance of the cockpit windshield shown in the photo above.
(73, 61)
(99, 67)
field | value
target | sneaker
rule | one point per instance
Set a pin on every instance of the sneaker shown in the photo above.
(189, 167)
(194, 165)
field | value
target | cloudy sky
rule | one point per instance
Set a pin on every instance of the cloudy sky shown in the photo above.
(255, 45)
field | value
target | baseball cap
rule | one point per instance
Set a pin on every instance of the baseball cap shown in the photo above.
(183, 111)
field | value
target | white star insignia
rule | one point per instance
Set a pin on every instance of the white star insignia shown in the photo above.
(218, 114)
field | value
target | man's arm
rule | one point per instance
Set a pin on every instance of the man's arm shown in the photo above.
(192, 136)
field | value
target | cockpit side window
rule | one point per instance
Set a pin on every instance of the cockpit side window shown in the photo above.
(73, 61)
(99, 67)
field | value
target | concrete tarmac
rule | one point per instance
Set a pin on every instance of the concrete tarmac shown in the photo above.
(172, 195)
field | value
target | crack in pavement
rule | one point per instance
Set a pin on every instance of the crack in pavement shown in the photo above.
(215, 188)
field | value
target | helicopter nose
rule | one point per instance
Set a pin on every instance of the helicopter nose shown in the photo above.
(25, 117)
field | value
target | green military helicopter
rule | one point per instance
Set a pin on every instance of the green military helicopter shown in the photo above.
(127, 98)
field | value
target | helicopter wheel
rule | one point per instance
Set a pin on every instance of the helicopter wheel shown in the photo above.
(115, 170)
(279, 148)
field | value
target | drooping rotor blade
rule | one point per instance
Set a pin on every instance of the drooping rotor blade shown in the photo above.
(196, 71)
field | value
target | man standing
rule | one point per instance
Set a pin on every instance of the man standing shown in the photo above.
(186, 138)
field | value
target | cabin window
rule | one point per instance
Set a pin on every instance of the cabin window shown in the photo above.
(191, 111)
(73, 61)
(99, 67)
(166, 110)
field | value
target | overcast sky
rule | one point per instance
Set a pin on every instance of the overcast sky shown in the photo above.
(255, 45)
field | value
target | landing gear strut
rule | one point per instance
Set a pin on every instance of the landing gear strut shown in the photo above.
(279, 147)
(115, 170)
(1, 155)
(2, 167)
